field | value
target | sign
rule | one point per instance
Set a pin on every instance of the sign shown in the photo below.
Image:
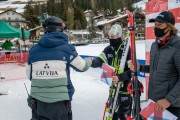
(107, 74)
(149, 113)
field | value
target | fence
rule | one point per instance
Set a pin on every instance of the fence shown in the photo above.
(13, 57)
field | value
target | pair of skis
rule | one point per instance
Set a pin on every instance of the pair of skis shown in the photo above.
(135, 88)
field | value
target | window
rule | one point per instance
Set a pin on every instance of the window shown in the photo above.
(17, 19)
(9, 18)
(3, 18)
(7, 13)
(17, 25)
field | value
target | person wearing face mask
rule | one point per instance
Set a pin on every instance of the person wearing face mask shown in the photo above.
(112, 55)
(164, 68)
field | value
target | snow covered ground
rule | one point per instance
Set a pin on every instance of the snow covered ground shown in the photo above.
(90, 93)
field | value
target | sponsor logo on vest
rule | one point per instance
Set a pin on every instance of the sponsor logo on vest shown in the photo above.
(46, 72)
(109, 55)
(51, 73)
(46, 66)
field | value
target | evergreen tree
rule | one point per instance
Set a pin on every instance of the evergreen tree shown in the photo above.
(91, 28)
(29, 10)
(87, 5)
(70, 19)
(79, 18)
(64, 11)
(51, 7)
(64, 8)
(113, 5)
(57, 10)
(31, 16)
(43, 9)
(37, 9)
(83, 20)
(129, 5)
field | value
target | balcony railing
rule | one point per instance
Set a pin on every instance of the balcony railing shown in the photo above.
(24, 21)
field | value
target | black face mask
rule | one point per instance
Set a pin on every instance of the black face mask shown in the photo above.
(115, 42)
(159, 32)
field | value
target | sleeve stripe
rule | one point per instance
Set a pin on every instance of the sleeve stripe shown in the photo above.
(103, 57)
(79, 63)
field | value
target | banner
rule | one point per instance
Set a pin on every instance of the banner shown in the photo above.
(156, 6)
(13, 57)
(153, 8)
(173, 4)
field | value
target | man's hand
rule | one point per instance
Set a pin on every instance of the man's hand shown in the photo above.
(162, 104)
(115, 79)
(31, 102)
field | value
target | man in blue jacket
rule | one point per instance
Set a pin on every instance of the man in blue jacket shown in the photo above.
(48, 69)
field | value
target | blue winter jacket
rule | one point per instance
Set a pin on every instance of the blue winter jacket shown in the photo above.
(49, 65)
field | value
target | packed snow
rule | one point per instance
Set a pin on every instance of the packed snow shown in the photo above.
(90, 93)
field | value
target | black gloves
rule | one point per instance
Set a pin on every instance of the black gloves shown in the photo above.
(31, 102)
(97, 62)
(124, 76)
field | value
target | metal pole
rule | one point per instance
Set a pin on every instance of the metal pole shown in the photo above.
(23, 37)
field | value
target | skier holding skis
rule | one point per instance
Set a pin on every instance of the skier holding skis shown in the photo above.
(164, 68)
(48, 69)
(112, 55)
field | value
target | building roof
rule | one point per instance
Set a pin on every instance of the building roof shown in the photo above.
(96, 17)
(74, 32)
(140, 4)
(38, 27)
(11, 10)
(88, 11)
(12, 5)
(106, 21)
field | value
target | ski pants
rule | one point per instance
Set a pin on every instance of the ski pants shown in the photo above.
(175, 111)
(52, 111)
(124, 107)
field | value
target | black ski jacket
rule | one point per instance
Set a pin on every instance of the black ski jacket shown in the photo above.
(164, 81)
(108, 55)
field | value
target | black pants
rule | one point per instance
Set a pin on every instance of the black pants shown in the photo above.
(175, 111)
(124, 107)
(52, 111)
